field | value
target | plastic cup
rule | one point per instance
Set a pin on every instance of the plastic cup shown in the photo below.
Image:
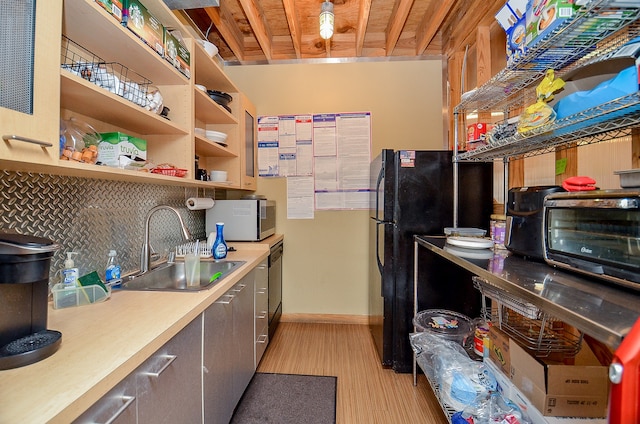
(192, 268)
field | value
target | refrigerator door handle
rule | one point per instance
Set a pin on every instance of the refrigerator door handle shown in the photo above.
(378, 224)
(378, 183)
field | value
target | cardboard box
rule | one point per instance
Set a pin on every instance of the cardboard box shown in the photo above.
(499, 349)
(112, 6)
(117, 144)
(555, 389)
(543, 16)
(176, 53)
(142, 23)
(512, 18)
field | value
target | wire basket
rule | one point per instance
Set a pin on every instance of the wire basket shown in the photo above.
(170, 172)
(530, 327)
(111, 76)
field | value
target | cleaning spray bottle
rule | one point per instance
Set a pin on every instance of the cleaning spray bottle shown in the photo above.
(70, 273)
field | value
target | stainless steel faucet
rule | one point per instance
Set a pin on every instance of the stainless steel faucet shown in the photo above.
(145, 254)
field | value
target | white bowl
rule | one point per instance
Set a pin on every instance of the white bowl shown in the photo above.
(201, 87)
(218, 176)
(216, 136)
(200, 131)
(208, 47)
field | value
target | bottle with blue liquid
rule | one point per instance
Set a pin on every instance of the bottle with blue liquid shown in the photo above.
(219, 247)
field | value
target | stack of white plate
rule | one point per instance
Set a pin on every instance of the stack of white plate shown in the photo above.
(200, 131)
(218, 137)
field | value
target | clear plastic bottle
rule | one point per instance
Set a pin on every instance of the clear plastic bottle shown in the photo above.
(219, 248)
(112, 270)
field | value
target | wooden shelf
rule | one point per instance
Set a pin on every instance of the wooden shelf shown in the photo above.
(78, 94)
(211, 112)
(209, 72)
(207, 147)
(89, 25)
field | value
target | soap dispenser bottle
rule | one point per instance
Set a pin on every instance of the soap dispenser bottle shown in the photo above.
(219, 248)
(112, 270)
(70, 273)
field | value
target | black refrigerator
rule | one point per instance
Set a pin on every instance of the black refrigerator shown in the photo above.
(412, 193)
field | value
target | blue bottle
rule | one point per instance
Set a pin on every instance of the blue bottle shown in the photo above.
(219, 248)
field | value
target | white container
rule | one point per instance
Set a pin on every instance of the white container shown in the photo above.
(218, 176)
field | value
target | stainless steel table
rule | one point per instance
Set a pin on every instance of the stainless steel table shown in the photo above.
(599, 309)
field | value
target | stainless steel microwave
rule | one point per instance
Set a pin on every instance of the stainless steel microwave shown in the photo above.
(244, 219)
(596, 233)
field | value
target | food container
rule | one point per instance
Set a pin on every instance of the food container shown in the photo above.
(449, 325)
(629, 178)
(218, 176)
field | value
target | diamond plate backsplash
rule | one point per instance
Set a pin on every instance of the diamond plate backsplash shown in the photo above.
(91, 216)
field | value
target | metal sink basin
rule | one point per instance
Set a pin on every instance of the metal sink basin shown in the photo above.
(171, 277)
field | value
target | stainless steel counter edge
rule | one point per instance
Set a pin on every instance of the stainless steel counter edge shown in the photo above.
(103, 343)
(601, 310)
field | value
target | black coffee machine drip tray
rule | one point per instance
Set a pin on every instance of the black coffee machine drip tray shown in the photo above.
(29, 349)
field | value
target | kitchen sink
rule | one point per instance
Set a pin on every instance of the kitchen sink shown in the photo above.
(171, 276)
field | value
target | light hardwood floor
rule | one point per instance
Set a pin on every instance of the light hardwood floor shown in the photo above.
(366, 392)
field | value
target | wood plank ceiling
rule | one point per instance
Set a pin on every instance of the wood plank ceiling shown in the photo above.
(270, 31)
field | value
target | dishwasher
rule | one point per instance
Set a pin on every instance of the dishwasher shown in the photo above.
(275, 286)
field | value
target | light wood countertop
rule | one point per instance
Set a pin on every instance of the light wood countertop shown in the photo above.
(103, 343)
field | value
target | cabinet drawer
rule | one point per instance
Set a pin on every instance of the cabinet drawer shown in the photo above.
(119, 406)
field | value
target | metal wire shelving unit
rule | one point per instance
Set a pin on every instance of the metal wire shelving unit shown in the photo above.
(599, 28)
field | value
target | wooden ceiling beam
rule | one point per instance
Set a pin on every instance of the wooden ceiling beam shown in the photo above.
(255, 15)
(227, 28)
(398, 19)
(294, 25)
(431, 23)
(361, 29)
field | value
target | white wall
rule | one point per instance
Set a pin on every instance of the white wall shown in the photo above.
(326, 258)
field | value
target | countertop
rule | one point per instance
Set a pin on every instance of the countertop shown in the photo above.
(602, 310)
(103, 343)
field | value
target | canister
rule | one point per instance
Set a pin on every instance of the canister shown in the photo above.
(498, 227)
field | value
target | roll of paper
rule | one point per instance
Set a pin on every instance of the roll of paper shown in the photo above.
(199, 203)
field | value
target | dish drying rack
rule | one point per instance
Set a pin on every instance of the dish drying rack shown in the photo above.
(201, 245)
(524, 322)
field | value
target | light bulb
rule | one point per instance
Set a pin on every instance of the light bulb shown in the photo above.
(326, 20)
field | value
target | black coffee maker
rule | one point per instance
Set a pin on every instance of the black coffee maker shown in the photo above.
(24, 289)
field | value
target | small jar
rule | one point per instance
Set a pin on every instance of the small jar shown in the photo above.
(498, 229)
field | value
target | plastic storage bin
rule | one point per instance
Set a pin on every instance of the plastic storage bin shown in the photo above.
(78, 296)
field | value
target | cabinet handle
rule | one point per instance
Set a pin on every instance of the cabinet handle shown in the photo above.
(262, 338)
(261, 291)
(169, 358)
(241, 287)
(128, 401)
(261, 267)
(262, 315)
(26, 140)
(225, 302)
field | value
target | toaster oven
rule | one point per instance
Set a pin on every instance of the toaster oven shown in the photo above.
(596, 233)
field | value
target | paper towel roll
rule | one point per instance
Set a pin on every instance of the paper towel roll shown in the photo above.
(199, 203)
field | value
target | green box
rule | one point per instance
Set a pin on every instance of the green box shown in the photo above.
(112, 6)
(146, 26)
(176, 53)
(117, 144)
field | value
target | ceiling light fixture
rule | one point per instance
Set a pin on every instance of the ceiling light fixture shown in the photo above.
(326, 20)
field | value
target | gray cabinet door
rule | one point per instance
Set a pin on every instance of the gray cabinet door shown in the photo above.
(169, 388)
(218, 361)
(243, 332)
(119, 406)
(261, 317)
